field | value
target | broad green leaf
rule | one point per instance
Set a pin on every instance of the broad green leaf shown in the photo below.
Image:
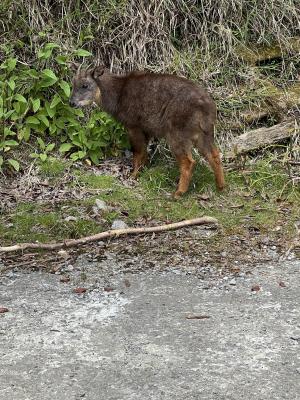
(52, 128)
(65, 87)
(17, 107)
(50, 111)
(65, 147)
(74, 156)
(60, 122)
(24, 133)
(33, 73)
(49, 74)
(34, 155)
(14, 163)
(32, 120)
(10, 143)
(82, 53)
(11, 115)
(27, 131)
(56, 100)
(51, 45)
(78, 112)
(61, 59)
(12, 84)
(41, 143)
(44, 119)
(20, 98)
(8, 132)
(94, 158)
(9, 64)
(44, 54)
(81, 154)
(43, 157)
(50, 147)
(35, 104)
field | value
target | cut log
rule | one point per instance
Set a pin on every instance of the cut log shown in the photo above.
(262, 137)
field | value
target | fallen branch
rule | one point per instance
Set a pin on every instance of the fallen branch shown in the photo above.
(108, 234)
(257, 138)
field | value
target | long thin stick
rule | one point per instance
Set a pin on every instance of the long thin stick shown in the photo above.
(111, 233)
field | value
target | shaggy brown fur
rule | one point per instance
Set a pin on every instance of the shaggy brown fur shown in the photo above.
(156, 105)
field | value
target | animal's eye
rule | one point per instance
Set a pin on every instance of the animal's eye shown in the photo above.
(85, 86)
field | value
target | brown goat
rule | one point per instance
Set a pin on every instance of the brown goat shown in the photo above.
(156, 105)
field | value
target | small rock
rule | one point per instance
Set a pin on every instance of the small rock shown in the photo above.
(71, 218)
(255, 288)
(69, 268)
(119, 224)
(63, 253)
(101, 205)
(3, 310)
(232, 282)
(108, 289)
(65, 279)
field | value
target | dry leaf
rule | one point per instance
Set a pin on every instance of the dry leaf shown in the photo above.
(197, 317)
(80, 290)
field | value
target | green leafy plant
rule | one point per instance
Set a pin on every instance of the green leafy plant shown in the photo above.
(34, 108)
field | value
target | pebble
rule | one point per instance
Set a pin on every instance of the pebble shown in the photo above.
(119, 224)
(101, 205)
(71, 218)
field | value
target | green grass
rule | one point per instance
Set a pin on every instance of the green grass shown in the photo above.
(53, 167)
(260, 196)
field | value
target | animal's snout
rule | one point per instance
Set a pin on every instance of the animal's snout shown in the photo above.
(72, 103)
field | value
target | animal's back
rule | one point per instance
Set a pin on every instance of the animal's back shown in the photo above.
(156, 102)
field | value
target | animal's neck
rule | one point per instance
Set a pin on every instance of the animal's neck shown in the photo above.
(110, 88)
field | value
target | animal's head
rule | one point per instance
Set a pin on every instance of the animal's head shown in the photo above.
(85, 89)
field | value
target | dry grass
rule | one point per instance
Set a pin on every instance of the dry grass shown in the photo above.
(203, 40)
(160, 35)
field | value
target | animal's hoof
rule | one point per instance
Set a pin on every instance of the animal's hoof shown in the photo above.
(177, 195)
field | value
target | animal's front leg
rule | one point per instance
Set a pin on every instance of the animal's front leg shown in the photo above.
(139, 146)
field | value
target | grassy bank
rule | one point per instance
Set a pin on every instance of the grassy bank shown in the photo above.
(56, 205)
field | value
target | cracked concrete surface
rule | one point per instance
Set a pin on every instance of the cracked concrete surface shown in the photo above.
(134, 342)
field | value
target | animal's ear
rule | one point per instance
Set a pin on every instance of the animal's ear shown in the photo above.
(74, 67)
(98, 71)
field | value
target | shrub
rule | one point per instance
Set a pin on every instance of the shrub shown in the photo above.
(34, 108)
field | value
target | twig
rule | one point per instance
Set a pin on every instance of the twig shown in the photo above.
(108, 234)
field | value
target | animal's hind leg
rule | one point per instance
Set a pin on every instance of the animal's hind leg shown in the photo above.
(186, 166)
(212, 154)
